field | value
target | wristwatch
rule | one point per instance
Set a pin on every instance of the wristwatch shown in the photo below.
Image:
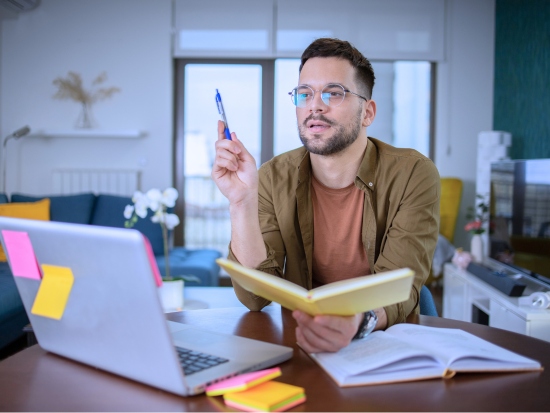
(367, 325)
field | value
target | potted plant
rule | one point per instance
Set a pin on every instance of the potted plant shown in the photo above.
(171, 291)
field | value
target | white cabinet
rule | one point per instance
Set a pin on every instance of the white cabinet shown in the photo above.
(502, 317)
(455, 289)
(468, 298)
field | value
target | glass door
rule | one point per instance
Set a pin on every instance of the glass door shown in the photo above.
(204, 209)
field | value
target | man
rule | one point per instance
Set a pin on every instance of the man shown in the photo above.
(342, 206)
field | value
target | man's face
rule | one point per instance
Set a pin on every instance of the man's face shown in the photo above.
(326, 130)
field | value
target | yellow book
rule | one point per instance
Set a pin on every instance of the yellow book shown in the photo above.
(271, 396)
(347, 297)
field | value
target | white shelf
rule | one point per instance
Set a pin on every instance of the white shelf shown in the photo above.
(88, 133)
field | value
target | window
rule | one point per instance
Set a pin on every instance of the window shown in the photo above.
(402, 93)
(259, 110)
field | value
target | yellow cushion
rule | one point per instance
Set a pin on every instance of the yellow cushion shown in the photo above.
(39, 210)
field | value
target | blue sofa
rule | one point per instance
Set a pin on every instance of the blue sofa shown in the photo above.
(103, 210)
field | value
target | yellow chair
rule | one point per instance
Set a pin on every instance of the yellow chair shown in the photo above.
(451, 194)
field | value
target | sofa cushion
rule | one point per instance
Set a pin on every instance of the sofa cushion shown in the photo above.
(10, 302)
(76, 209)
(30, 210)
(200, 263)
(109, 212)
(3, 199)
(12, 313)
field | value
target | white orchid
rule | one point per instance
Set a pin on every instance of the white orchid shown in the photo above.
(154, 197)
(141, 203)
(129, 211)
(158, 202)
(169, 197)
(170, 220)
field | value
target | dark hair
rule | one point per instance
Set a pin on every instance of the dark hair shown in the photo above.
(327, 47)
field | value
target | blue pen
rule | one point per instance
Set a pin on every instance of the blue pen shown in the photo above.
(222, 112)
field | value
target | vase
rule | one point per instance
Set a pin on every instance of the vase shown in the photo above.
(171, 295)
(476, 248)
(85, 119)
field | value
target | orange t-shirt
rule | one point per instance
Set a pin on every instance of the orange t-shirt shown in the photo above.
(338, 251)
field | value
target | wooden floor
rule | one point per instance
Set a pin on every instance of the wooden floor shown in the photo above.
(437, 294)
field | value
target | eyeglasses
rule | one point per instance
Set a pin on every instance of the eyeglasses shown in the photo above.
(332, 95)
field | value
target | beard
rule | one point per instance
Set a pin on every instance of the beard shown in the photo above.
(343, 136)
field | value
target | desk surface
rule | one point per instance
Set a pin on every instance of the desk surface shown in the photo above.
(201, 298)
(34, 380)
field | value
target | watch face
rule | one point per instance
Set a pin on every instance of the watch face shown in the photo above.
(371, 323)
(368, 324)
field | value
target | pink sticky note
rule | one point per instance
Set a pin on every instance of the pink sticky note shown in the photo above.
(22, 259)
(242, 382)
(152, 261)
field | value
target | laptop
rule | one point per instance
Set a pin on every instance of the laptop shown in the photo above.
(112, 318)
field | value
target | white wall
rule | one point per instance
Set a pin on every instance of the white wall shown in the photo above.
(128, 39)
(131, 40)
(465, 95)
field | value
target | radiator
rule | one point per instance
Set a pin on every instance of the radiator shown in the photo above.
(122, 182)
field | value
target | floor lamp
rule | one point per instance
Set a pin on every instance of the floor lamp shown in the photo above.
(19, 133)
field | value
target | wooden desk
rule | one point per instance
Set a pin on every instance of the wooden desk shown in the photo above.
(201, 298)
(34, 380)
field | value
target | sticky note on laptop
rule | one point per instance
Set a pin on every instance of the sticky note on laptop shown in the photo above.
(19, 249)
(53, 292)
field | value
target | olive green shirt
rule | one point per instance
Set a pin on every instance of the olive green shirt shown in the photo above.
(400, 218)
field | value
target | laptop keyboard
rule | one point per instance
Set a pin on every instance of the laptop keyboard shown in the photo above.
(194, 361)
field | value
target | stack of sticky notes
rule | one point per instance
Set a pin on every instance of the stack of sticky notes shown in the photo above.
(257, 392)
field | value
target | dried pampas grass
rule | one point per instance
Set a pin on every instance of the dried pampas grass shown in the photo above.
(71, 88)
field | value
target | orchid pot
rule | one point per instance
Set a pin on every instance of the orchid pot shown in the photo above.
(171, 295)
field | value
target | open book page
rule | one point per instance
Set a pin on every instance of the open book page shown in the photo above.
(379, 358)
(406, 352)
(462, 351)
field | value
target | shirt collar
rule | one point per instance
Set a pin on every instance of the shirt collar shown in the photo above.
(366, 173)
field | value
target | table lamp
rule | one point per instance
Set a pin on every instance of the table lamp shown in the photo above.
(19, 133)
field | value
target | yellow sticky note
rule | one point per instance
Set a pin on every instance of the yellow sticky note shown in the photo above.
(53, 292)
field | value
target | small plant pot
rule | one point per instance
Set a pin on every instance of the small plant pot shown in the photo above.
(171, 295)
(476, 248)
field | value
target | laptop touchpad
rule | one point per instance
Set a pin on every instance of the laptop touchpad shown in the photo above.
(197, 337)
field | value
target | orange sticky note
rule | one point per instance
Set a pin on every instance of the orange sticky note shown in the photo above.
(54, 291)
(271, 396)
(22, 259)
